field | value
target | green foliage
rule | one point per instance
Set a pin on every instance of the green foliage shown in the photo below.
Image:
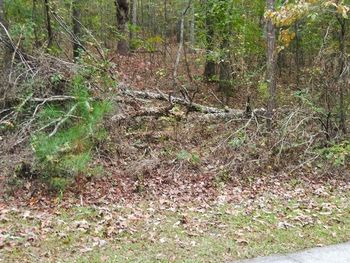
(311, 101)
(150, 44)
(56, 78)
(238, 141)
(58, 184)
(263, 90)
(23, 34)
(65, 149)
(222, 178)
(192, 158)
(233, 20)
(136, 43)
(338, 153)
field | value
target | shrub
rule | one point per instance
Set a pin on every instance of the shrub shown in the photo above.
(338, 153)
(65, 148)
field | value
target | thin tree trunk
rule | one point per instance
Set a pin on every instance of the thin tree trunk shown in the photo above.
(48, 24)
(165, 30)
(342, 73)
(154, 24)
(6, 56)
(34, 21)
(133, 18)
(181, 44)
(142, 14)
(271, 61)
(209, 70)
(134, 13)
(122, 19)
(76, 16)
(297, 54)
(2, 13)
(102, 33)
(192, 27)
(225, 72)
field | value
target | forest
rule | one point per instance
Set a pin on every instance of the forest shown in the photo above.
(173, 130)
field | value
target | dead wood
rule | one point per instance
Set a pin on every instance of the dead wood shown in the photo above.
(148, 112)
(208, 112)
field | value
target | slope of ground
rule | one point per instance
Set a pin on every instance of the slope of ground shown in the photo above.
(180, 187)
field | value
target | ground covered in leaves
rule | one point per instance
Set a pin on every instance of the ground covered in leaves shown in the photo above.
(164, 197)
(263, 217)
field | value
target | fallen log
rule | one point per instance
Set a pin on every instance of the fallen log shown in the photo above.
(190, 105)
(208, 111)
(151, 112)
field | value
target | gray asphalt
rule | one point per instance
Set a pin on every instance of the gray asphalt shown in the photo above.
(331, 254)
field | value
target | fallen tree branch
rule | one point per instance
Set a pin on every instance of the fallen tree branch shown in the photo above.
(54, 99)
(136, 94)
(176, 100)
(153, 112)
(63, 120)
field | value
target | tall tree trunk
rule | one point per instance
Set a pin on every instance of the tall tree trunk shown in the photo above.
(298, 52)
(181, 44)
(154, 24)
(225, 72)
(133, 19)
(2, 13)
(209, 70)
(48, 24)
(7, 48)
(34, 21)
(271, 61)
(142, 14)
(192, 27)
(165, 29)
(122, 19)
(76, 16)
(342, 73)
(102, 34)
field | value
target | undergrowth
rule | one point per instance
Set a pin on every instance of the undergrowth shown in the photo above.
(66, 150)
(60, 116)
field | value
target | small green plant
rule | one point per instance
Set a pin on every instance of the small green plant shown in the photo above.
(64, 149)
(174, 119)
(152, 43)
(56, 78)
(338, 153)
(192, 158)
(238, 141)
(161, 73)
(58, 184)
(222, 178)
(309, 101)
(263, 89)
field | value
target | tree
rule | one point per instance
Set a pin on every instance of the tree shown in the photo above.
(122, 19)
(133, 18)
(271, 60)
(76, 17)
(35, 22)
(225, 71)
(210, 67)
(2, 12)
(342, 72)
(193, 26)
(6, 43)
(48, 24)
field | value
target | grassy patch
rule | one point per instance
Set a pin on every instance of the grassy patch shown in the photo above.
(155, 232)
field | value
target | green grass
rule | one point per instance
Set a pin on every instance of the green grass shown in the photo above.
(152, 232)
